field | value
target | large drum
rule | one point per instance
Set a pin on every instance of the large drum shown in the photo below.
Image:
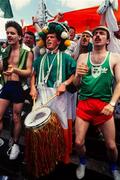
(44, 142)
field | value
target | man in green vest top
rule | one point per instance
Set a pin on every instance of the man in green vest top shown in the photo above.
(16, 66)
(94, 75)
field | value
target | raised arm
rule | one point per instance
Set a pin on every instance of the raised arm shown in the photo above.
(58, 17)
(111, 20)
(36, 25)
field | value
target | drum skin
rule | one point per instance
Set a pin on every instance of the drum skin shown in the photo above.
(44, 147)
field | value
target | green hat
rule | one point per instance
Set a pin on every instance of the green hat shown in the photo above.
(60, 29)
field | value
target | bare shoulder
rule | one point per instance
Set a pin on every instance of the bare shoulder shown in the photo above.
(115, 58)
(83, 58)
(30, 58)
(30, 54)
(115, 65)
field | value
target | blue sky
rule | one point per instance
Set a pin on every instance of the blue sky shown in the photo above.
(25, 9)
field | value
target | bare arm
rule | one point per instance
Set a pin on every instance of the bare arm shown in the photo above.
(33, 89)
(21, 72)
(109, 19)
(62, 88)
(36, 25)
(58, 17)
(1, 66)
(102, 20)
(107, 110)
(81, 69)
(116, 93)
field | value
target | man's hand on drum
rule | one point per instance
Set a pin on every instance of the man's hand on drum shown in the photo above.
(61, 89)
(34, 93)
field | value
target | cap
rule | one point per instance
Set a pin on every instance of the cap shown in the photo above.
(103, 28)
(88, 32)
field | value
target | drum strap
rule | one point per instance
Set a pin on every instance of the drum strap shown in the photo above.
(42, 79)
(49, 68)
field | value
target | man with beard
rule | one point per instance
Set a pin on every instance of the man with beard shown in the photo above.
(94, 75)
(84, 44)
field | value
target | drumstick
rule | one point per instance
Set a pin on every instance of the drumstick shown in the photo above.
(49, 99)
(33, 104)
(35, 109)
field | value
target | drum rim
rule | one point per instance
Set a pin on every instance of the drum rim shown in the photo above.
(39, 125)
(27, 125)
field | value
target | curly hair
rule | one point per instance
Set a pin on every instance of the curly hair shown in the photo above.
(15, 25)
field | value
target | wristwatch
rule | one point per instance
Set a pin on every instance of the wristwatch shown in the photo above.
(112, 103)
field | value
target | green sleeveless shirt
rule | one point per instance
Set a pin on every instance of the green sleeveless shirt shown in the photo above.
(97, 83)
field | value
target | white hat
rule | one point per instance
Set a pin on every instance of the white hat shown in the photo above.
(88, 32)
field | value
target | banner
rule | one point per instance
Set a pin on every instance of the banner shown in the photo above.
(83, 19)
(5, 9)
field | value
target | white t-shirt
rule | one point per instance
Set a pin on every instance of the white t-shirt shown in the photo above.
(70, 50)
(114, 45)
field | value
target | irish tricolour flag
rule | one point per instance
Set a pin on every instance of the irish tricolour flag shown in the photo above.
(5, 9)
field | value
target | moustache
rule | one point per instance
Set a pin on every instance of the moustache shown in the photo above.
(97, 39)
(84, 40)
